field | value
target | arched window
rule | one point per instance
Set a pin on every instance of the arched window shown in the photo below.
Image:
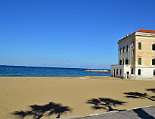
(123, 49)
(120, 62)
(153, 61)
(117, 72)
(126, 61)
(127, 47)
(139, 71)
(153, 46)
(132, 71)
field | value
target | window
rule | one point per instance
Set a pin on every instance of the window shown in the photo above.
(126, 61)
(127, 74)
(120, 62)
(153, 46)
(123, 49)
(139, 61)
(139, 45)
(153, 72)
(153, 61)
(117, 72)
(114, 73)
(132, 71)
(127, 48)
(139, 71)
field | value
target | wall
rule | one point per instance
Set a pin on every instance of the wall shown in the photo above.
(146, 72)
(127, 41)
(146, 53)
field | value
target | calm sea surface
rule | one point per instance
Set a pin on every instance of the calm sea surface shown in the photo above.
(46, 71)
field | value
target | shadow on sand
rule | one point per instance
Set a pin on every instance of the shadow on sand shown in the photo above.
(107, 104)
(151, 89)
(39, 111)
(141, 112)
(139, 95)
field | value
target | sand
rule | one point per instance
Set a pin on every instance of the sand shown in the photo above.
(17, 93)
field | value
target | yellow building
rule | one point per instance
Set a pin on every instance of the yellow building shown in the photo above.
(136, 55)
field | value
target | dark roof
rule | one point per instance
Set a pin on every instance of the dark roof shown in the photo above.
(140, 113)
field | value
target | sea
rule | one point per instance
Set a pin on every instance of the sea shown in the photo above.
(28, 71)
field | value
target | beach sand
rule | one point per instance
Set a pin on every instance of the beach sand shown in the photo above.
(17, 93)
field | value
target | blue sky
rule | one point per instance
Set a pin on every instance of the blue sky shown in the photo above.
(69, 33)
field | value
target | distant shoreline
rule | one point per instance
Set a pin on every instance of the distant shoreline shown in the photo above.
(98, 70)
(24, 71)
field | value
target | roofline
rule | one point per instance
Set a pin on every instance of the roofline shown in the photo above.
(146, 31)
(132, 34)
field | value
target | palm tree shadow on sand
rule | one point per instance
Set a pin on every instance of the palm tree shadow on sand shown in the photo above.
(107, 104)
(22, 114)
(151, 89)
(39, 111)
(139, 95)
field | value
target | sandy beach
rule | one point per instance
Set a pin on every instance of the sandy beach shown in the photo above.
(17, 93)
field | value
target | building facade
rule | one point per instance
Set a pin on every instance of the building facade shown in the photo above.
(136, 55)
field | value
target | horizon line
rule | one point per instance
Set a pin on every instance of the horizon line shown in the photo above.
(49, 67)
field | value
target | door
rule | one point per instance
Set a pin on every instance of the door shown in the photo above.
(127, 74)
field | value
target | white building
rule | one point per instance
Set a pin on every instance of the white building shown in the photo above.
(136, 57)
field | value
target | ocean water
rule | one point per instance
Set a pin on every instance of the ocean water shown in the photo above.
(46, 71)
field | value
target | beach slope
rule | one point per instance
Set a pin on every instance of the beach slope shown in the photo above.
(18, 93)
